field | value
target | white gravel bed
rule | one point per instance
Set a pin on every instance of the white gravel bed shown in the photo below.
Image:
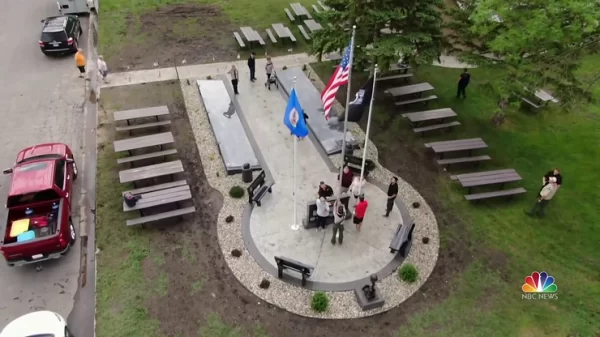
(292, 298)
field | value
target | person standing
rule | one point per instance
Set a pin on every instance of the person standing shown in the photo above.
(339, 216)
(252, 66)
(345, 183)
(80, 62)
(392, 193)
(463, 82)
(102, 68)
(325, 191)
(235, 76)
(544, 197)
(554, 173)
(356, 187)
(269, 71)
(360, 212)
(322, 213)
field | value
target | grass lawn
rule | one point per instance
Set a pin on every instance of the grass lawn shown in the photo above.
(564, 243)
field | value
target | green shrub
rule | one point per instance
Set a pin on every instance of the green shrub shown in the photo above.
(236, 192)
(408, 273)
(320, 301)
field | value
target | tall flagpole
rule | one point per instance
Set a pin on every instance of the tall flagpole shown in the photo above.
(364, 159)
(346, 110)
(295, 225)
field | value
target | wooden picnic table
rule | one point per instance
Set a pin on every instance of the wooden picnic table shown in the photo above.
(313, 25)
(457, 145)
(410, 89)
(160, 197)
(252, 35)
(281, 30)
(429, 115)
(545, 97)
(127, 115)
(129, 144)
(150, 171)
(299, 10)
(470, 180)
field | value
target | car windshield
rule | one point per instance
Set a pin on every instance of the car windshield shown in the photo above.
(43, 156)
(54, 36)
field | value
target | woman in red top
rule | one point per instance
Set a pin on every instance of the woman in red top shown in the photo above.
(360, 211)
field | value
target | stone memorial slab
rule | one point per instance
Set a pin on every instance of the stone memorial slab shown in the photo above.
(229, 131)
(328, 133)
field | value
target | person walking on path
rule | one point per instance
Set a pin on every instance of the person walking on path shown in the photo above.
(252, 66)
(360, 212)
(463, 82)
(345, 182)
(235, 76)
(325, 191)
(80, 62)
(269, 71)
(392, 192)
(102, 68)
(322, 213)
(544, 197)
(339, 216)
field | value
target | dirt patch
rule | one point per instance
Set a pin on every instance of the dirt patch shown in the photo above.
(171, 34)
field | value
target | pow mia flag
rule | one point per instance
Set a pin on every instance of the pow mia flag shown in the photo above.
(361, 101)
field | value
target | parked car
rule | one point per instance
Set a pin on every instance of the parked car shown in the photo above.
(39, 225)
(60, 34)
(37, 324)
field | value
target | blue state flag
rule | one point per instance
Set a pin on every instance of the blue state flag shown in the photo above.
(294, 116)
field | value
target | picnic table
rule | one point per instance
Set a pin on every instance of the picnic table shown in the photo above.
(150, 171)
(429, 115)
(457, 145)
(127, 115)
(129, 144)
(252, 36)
(544, 96)
(300, 10)
(410, 89)
(160, 197)
(313, 25)
(470, 180)
(282, 31)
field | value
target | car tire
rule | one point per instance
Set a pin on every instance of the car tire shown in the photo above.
(72, 232)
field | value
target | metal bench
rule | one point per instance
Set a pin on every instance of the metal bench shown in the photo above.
(287, 263)
(146, 156)
(394, 77)
(495, 194)
(424, 129)
(239, 39)
(477, 159)
(292, 37)
(306, 36)
(258, 188)
(402, 239)
(417, 100)
(271, 36)
(316, 9)
(289, 15)
(354, 163)
(160, 216)
(142, 126)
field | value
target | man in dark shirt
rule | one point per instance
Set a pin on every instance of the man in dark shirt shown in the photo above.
(252, 66)
(463, 82)
(325, 190)
(391, 196)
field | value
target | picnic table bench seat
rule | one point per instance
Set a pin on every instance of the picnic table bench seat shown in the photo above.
(394, 77)
(424, 100)
(289, 15)
(306, 36)
(292, 37)
(127, 115)
(146, 156)
(157, 187)
(532, 104)
(142, 126)
(160, 197)
(475, 159)
(495, 194)
(316, 9)
(160, 216)
(424, 129)
(239, 39)
(271, 36)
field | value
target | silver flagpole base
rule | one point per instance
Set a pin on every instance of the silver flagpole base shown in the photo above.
(295, 227)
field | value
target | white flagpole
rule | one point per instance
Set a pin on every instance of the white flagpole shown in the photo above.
(364, 159)
(295, 225)
(339, 194)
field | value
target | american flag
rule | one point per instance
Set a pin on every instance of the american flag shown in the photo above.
(339, 78)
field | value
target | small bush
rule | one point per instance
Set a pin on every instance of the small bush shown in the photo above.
(408, 273)
(425, 240)
(284, 67)
(209, 77)
(320, 302)
(229, 219)
(304, 67)
(264, 284)
(236, 192)
(416, 205)
(236, 253)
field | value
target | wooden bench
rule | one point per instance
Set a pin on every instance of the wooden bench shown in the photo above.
(476, 159)
(292, 37)
(417, 100)
(157, 187)
(142, 126)
(402, 238)
(260, 40)
(150, 171)
(160, 216)
(287, 263)
(394, 77)
(495, 194)
(146, 156)
(258, 188)
(532, 104)
(424, 129)
(239, 39)
(316, 9)
(306, 36)
(355, 163)
(160, 197)
(289, 15)
(271, 36)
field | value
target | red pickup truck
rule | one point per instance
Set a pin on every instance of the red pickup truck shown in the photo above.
(39, 225)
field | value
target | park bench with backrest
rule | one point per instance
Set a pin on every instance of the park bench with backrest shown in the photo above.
(258, 188)
(239, 40)
(402, 239)
(355, 163)
(306, 36)
(284, 263)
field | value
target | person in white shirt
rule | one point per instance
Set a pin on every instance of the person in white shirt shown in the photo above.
(102, 68)
(356, 188)
(322, 213)
(546, 194)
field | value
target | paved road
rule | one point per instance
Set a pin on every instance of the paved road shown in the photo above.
(41, 100)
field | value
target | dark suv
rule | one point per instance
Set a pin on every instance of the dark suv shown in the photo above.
(60, 34)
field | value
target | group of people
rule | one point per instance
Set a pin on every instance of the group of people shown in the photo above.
(352, 185)
(235, 76)
(80, 63)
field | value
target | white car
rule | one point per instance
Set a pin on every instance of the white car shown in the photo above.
(37, 324)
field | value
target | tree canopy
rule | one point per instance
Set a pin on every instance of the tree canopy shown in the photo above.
(540, 43)
(385, 30)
